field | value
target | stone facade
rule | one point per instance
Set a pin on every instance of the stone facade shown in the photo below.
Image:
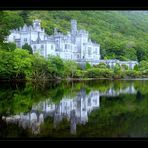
(76, 45)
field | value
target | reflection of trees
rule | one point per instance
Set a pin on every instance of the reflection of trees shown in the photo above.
(118, 117)
(142, 86)
(20, 97)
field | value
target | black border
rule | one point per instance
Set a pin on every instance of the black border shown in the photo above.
(74, 5)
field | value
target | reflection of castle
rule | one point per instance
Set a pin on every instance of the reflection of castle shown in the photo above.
(112, 92)
(76, 109)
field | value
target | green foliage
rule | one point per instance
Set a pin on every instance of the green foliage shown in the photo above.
(88, 66)
(22, 63)
(39, 67)
(9, 20)
(6, 65)
(136, 67)
(117, 68)
(25, 15)
(99, 73)
(101, 65)
(79, 74)
(143, 65)
(70, 68)
(56, 66)
(132, 74)
(15, 64)
(124, 67)
(27, 47)
(8, 46)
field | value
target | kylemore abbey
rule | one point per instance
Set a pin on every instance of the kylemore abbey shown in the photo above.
(76, 45)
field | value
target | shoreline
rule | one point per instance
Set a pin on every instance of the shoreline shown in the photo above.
(71, 79)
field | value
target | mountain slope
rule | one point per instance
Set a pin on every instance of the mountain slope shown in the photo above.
(121, 34)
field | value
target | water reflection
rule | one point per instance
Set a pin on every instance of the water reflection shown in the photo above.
(75, 109)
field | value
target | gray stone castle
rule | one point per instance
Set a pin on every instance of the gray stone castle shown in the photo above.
(76, 45)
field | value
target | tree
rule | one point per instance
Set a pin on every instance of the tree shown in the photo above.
(6, 65)
(22, 63)
(142, 54)
(117, 67)
(136, 67)
(39, 67)
(58, 63)
(15, 64)
(124, 67)
(25, 15)
(102, 65)
(27, 47)
(8, 46)
(9, 20)
(130, 54)
(143, 65)
(70, 68)
(88, 66)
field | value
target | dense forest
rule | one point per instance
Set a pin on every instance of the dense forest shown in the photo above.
(122, 35)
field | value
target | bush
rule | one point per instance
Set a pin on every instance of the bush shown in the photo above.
(99, 73)
(132, 74)
(79, 74)
(88, 66)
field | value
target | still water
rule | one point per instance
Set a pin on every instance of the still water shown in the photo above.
(102, 108)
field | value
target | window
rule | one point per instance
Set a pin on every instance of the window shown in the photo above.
(96, 50)
(42, 46)
(77, 56)
(89, 50)
(42, 50)
(89, 101)
(83, 109)
(66, 46)
(25, 39)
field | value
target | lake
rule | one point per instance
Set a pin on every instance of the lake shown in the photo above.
(84, 109)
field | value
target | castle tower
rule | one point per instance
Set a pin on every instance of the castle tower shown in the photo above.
(37, 24)
(73, 27)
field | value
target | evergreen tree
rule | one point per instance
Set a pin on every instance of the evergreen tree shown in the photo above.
(27, 47)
